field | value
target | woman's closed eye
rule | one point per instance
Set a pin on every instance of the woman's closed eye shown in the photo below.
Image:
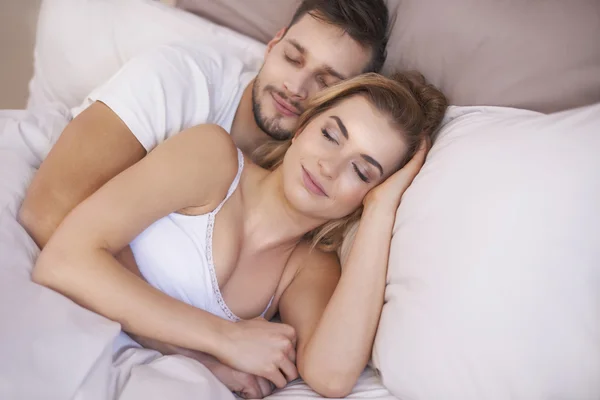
(328, 136)
(363, 177)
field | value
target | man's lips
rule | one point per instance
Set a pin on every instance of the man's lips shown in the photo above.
(284, 107)
(311, 184)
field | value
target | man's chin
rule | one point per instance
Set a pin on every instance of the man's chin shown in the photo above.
(280, 134)
(281, 128)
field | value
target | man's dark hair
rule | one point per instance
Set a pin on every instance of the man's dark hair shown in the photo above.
(366, 21)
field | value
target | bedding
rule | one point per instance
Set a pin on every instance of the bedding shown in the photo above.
(81, 44)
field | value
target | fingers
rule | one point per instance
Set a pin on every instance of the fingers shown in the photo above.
(408, 173)
(266, 387)
(419, 158)
(276, 377)
(289, 332)
(291, 354)
(290, 350)
(252, 389)
(289, 369)
(425, 143)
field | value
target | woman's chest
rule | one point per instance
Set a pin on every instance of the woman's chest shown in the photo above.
(248, 277)
(205, 261)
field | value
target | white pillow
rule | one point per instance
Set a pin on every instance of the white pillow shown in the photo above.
(494, 274)
(81, 44)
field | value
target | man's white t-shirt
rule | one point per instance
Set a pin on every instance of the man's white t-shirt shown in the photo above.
(174, 87)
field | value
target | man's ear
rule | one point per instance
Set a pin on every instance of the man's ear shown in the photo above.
(276, 39)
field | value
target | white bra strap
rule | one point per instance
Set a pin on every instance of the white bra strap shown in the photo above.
(268, 306)
(235, 182)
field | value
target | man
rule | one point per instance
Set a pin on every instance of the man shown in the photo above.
(159, 94)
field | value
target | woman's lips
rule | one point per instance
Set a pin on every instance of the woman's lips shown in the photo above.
(311, 184)
(284, 107)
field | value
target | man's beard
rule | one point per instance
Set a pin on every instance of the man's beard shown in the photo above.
(271, 126)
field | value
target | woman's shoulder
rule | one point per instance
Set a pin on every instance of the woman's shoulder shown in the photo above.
(309, 259)
(207, 160)
(212, 138)
(209, 146)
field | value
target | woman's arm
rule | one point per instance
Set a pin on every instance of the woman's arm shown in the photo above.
(336, 324)
(252, 387)
(335, 337)
(79, 260)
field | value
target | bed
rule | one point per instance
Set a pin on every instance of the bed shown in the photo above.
(494, 276)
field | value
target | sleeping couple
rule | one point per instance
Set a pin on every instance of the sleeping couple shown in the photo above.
(192, 200)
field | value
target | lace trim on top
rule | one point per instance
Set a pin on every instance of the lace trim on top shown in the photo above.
(209, 238)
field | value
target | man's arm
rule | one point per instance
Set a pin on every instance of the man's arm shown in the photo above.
(94, 147)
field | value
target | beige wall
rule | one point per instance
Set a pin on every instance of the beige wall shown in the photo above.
(18, 19)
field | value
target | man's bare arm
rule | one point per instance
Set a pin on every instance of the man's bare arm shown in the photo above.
(93, 148)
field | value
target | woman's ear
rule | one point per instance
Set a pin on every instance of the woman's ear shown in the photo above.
(276, 39)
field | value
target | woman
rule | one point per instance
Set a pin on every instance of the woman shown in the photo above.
(217, 242)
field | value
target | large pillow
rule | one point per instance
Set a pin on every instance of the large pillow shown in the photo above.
(538, 55)
(494, 275)
(81, 44)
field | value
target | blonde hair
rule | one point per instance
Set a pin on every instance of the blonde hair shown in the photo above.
(414, 106)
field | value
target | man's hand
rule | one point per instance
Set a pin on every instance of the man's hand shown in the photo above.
(245, 385)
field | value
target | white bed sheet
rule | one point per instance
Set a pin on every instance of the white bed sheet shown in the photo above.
(50, 347)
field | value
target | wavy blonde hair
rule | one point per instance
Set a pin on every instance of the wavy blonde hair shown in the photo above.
(414, 106)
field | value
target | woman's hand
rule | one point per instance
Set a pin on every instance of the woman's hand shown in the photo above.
(261, 348)
(388, 194)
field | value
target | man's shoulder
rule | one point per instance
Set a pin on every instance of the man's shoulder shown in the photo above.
(220, 71)
(206, 56)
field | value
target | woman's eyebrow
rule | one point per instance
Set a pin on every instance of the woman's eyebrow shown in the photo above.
(366, 157)
(374, 162)
(340, 125)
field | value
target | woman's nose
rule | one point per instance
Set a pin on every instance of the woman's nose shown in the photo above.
(328, 169)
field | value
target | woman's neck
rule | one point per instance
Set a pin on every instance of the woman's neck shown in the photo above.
(270, 220)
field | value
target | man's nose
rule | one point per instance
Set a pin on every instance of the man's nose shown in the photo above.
(296, 86)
